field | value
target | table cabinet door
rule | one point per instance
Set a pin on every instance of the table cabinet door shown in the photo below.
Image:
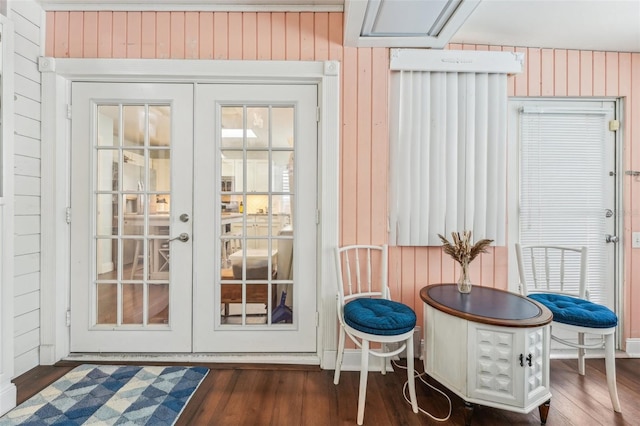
(494, 371)
(508, 364)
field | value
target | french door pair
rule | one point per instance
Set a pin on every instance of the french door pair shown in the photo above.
(193, 217)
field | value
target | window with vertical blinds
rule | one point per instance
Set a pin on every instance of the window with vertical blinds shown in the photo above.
(562, 194)
(448, 126)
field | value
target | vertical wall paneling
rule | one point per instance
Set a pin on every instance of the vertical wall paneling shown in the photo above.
(379, 144)
(249, 33)
(263, 36)
(560, 72)
(318, 36)
(105, 30)
(363, 151)
(278, 33)
(307, 40)
(547, 77)
(205, 36)
(220, 39)
(133, 42)
(119, 34)
(90, 35)
(235, 35)
(148, 35)
(76, 43)
(292, 36)
(573, 73)
(191, 35)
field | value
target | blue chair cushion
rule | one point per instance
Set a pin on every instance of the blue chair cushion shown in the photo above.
(379, 316)
(575, 311)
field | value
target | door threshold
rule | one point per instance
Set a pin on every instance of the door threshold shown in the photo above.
(244, 358)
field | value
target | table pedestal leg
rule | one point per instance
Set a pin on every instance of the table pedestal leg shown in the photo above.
(544, 411)
(468, 413)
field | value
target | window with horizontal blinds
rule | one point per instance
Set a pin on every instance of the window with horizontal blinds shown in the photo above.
(562, 191)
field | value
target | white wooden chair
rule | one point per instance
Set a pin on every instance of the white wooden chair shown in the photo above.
(556, 276)
(367, 315)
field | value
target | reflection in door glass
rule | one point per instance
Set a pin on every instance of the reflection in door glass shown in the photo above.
(132, 208)
(256, 236)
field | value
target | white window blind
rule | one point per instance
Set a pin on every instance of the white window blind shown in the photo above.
(448, 145)
(561, 194)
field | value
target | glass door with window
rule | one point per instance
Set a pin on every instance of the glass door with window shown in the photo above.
(129, 222)
(255, 203)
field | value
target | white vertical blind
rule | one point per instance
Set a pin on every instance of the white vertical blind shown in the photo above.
(562, 190)
(447, 155)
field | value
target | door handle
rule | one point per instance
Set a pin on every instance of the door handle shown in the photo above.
(184, 237)
(611, 238)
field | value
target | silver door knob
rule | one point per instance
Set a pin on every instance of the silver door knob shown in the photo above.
(611, 238)
(184, 237)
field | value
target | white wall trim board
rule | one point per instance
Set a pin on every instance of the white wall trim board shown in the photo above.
(456, 61)
(193, 5)
(57, 77)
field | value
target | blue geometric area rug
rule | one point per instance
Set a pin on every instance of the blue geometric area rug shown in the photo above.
(111, 395)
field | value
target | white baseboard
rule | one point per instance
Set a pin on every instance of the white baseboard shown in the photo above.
(285, 358)
(8, 394)
(633, 348)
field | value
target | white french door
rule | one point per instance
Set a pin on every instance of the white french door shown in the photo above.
(255, 203)
(183, 241)
(127, 142)
(567, 182)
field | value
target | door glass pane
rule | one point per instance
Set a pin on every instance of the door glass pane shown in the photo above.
(258, 127)
(283, 133)
(107, 302)
(135, 125)
(158, 304)
(132, 303)
(108, 125)
(255, 194)
(132, 208)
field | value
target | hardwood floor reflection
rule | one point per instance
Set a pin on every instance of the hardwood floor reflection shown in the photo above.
(132, 301)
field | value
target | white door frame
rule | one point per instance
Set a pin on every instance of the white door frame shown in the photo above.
(57, 75)
(513, 174)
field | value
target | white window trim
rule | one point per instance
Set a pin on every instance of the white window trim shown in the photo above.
(57, 75)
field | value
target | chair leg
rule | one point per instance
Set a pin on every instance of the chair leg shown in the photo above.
(336, 374)
(411, 375)
(383, 367)
(610, 368)
(364, 372)
(581, 352)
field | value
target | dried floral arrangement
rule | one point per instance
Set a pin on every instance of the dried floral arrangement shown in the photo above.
(462, 250)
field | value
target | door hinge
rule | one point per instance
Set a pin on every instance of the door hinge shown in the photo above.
(614, 125)
(69, 111)
(318, 114)
(68, 318)
(67, 215)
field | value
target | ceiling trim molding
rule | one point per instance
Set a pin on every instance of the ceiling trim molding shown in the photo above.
(194, 5)
(354, 18)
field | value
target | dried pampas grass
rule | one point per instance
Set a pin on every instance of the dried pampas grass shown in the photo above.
(462, 250)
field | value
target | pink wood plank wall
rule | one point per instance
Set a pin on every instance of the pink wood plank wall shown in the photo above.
(365, 72)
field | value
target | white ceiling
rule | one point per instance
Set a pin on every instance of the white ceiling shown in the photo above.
(612, 25)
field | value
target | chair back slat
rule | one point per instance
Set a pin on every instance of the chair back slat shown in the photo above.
(362, 271)
(552, 269)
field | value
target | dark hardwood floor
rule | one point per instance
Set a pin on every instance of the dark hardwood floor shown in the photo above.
(238, 394)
